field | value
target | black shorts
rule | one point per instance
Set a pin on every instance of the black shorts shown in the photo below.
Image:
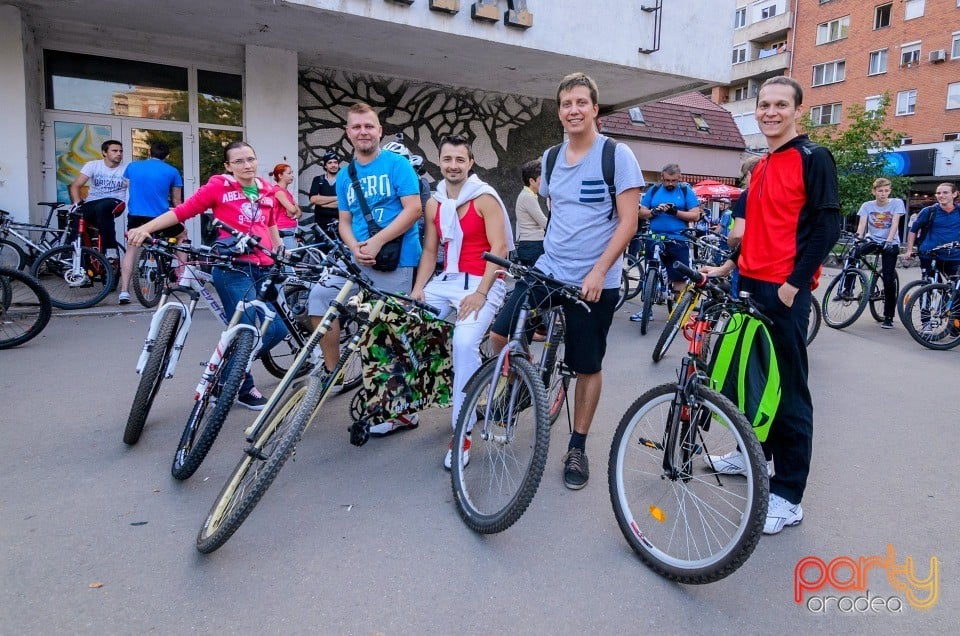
(167, 233)
(586, 334)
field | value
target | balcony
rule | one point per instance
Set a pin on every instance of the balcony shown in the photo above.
(768, 30)
(760, 67)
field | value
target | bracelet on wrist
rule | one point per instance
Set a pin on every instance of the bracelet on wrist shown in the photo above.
(482, 293)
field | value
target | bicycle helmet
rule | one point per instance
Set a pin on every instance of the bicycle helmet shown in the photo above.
(398, 148)
(416, 161)
(329, 156)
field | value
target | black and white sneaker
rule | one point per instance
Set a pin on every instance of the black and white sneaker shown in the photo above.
(576, 469)
(252, 400)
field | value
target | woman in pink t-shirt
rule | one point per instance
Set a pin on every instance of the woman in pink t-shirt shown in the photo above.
(287, 219)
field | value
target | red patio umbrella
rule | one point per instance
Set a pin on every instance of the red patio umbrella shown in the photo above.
(710, 189)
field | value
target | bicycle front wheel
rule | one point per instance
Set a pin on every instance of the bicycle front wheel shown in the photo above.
(259, 466)
(74, 280)
(211, 408)
(845, 298)
(686, 520)
(147, 281)
(651, 288)
(675, 322)
(555, 381)
(507, 451)
(151, 377)
(11, 256)
(907, 292)
(24, 308)
(878, 294)
(932, 316)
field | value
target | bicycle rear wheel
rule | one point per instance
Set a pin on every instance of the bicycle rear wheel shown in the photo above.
(11, 256)
(878, 294)
(147, 280)
(675, 322)
(260, 465)
(24, 308)
(151, 377)
(694, 524)
(845, 298)
(74, 287)
(932, 316)
(211, 408)
(906, 292)
(816, 317)
(507, 452)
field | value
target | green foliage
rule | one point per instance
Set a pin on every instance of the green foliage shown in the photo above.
(857, 167)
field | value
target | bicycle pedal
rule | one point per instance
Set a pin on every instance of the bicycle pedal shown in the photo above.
(650, 444)
(359, 433)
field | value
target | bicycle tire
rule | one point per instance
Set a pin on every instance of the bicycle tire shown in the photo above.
(623, 291)
(932, 316)
(487, 498)
(201, 431)
(651, 284)
(816, 317)
(277, 363)
(554, 380)
(25, 308)
(151, 377)
(723, 515)
(878, 295)
(12, 256)
(147, 280)
(841, 310)
(635, 279)
(675, 322)
(905, 294)
(352, 373)
(92, 285)
(259, 466)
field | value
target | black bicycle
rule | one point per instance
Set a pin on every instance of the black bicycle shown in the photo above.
(858, 285)
(25, 308)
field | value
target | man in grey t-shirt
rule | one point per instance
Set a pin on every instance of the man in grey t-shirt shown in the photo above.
(583, 246)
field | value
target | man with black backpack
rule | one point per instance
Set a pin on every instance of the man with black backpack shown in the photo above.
(593, 217)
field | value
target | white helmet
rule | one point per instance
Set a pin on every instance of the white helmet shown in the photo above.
(416, 161)
(398, 148)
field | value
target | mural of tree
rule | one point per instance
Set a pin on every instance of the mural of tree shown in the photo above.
(505, 130)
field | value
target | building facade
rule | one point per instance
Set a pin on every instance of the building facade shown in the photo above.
(281, 75)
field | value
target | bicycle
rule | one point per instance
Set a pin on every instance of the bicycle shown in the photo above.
(928, 276)
(684, 519)
(656, 284)
(273, 437)
(631, 278)
(24, 308)
(506, 415)
(932, 314)
(20, 251)
(77, 275)
(849, 293)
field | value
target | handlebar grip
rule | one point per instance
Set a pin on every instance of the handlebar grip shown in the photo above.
(693, 275)
(496, 260)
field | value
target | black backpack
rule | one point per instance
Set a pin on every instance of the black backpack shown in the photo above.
(923, 229)
(607, 164)
(683, 188)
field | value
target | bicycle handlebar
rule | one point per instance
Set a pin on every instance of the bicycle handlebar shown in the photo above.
(743, 304)
(570, 292)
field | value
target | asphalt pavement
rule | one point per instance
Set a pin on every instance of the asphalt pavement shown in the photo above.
(98, 538)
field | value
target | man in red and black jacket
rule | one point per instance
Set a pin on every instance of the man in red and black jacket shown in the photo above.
(793, 213)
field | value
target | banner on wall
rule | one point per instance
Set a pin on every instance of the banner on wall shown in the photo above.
(74, 145)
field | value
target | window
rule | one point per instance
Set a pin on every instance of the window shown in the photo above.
(701, 123)
(747, 123)
(907, 102)
(955, 47)
(768, 12)
(826, 114)
(741, 92)
(910, 54)
(913, 9)
(829, 73)
(878, 62)
(220, 98)
(872, 104)
(953, 95)
(740, 18)
(833, 30)
(952, 136)
(881, 16)
(740, 54)
(636, 115)
(906, 141)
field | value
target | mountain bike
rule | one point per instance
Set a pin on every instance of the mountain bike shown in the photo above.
(685, 519)
(928, 276)
(17, 249)
(932, 313)
(24, 308)
(858, 285)
(656, 284)
(506, 414)
(77, 275)
(273, 437)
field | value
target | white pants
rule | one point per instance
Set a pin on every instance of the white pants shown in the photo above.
(445, 292)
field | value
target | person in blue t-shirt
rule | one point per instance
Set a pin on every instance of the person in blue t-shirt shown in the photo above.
(670, 206)
(945, 228)
(154, 187)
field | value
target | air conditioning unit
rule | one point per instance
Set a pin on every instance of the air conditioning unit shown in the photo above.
(938, 56)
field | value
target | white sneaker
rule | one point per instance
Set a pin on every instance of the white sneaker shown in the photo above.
(464, 454)
(123, 298)
(733, 463)
(397, 424)
(780, 514)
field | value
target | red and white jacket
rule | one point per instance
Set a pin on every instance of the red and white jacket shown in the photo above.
(225, 196)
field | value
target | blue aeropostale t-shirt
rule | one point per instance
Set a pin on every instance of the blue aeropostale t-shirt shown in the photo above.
(681, 195)
(150, 183)
(580, 226)
(384, 180)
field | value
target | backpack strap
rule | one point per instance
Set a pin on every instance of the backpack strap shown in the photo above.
(552, 155)
(608, 165)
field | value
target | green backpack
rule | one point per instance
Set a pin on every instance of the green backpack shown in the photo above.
(743, 367)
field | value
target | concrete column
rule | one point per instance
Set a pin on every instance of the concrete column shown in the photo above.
(15, 173)
(270, 106)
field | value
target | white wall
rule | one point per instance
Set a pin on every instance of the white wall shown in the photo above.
(270, 105)
(15, 166)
